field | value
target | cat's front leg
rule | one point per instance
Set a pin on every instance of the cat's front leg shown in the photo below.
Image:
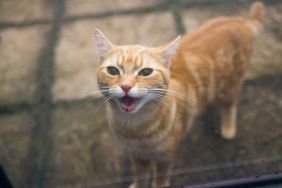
(141, 172)
(228, 121)
(161, 174)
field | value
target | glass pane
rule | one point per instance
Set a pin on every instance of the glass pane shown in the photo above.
(53, 125)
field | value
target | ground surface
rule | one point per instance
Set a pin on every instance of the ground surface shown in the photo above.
(49, 136)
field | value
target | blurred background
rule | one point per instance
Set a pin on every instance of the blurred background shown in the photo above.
(49, 134)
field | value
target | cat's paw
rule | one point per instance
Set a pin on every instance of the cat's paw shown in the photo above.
(228, 133)
(133, 185)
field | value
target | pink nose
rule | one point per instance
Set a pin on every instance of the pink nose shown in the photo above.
(126, 88)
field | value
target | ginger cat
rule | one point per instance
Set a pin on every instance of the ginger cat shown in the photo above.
(154, 94)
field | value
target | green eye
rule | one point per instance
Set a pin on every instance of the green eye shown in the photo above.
(112, 70)
(145, 72)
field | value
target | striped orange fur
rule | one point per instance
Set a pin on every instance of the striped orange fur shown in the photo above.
(154, 94)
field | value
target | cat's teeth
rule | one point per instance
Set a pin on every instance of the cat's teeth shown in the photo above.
(128, 103)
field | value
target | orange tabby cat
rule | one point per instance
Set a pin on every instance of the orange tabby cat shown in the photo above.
(153, 94)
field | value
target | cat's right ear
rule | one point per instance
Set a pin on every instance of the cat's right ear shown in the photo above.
(102, 43)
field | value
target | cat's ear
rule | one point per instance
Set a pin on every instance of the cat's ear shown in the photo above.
(168, 51)
(102, 43)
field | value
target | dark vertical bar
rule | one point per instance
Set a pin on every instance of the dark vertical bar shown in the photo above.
(175, 9)
(40, 151)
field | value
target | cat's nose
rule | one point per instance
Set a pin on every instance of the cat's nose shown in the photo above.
(126, 88)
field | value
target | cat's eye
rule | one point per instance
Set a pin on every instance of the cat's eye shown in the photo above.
(112, 70)
(145, 72)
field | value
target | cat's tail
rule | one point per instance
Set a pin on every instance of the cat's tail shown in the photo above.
(257, 11)
(256, 17)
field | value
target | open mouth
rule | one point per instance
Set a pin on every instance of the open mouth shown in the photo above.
(128, 103)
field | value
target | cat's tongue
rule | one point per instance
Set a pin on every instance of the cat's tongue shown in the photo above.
(128, 103)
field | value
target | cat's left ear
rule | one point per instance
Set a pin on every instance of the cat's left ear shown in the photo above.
(102, 43)
(169, 50)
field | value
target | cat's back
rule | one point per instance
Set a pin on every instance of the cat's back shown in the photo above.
(224, 32)
(219, 33)
(214, 57)
(215, 43)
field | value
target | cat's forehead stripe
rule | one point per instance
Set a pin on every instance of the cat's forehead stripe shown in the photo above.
(130, 55)
(119, 60)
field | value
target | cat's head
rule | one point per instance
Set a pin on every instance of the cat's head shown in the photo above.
(133, 76)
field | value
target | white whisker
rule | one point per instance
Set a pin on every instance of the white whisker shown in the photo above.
(170, 92)
(101, 103)
(157, 98)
